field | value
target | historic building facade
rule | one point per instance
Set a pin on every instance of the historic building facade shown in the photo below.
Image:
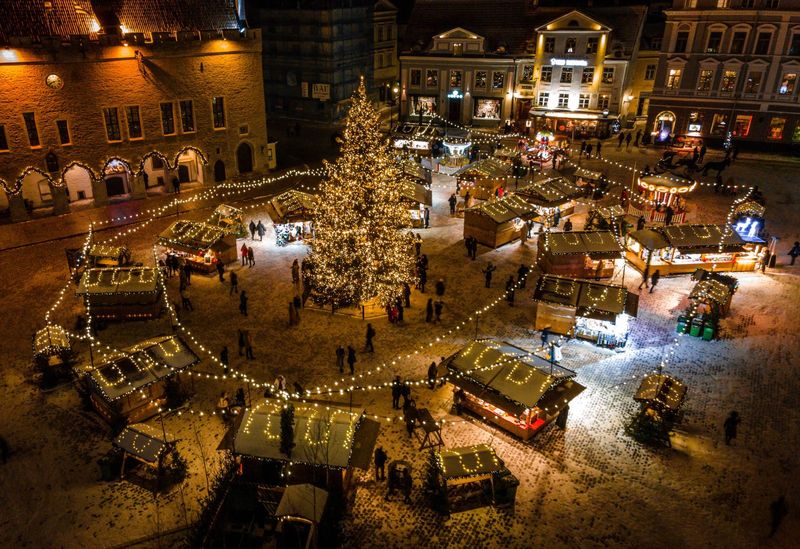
(729, 69)
(385, 65)
(112, 102)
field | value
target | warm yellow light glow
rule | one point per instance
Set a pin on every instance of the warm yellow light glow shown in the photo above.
(9, 55)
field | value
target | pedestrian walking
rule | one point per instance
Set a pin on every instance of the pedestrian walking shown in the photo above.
(703, 151)
(406, 295)
(380, 463)
(351, 360)
(467, 199)
(340, 358)
(248, 345)
(370, 335)
(244, 250)
(438, 305)
(405, 392)
(510, 287)
(640, 223)
(668, 214)
(620, 139)
(397, 390)
(176, 185)
(432, 375)
(223, 359)
(251, 258)
(186, 302)
(589, 150)
(468, 245)
(628, 138)
(645, 276)
(474, 244)
(429, 310)
(452, 201)
(261, 230)
(243, 302)
(242, 342)
(487, 274)
(221, 271)
(730, 426)
(582, 150)
(410, 417)
(423, 279)
(440, 287)
(427, 217)
(568, 226)
(794, 252)
(234, 283)
(638, 138)
(418, 245)
(252, 228)
(544, 336)
(522, 275)
(654, 280)
(765, 260)
(598, 148)
(407, 485)
(398, 306)
(777, 509)
(295, 272)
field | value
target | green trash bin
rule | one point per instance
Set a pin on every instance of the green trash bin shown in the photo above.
(709, 331)
(681, 327)
(696, 329)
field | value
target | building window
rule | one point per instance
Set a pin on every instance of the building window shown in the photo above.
(187, 116)
(3, 138)
(747, 4)
(762, 43)
(591, 45)
(737, 42)
(583, 101)
(549, 45)
(641, 108)
(498, 78)
(480, 79)
(431, 78)
(714, 40)
(134, 119)
(218, 111)
(587, 76)
(771, 4)
(776, 128)
(111, 117)
(547, 73)
(741, 125)
(719, 124)
(487, 109)
(753, 82)
(455, 79)
(794, 44)
(673, 79)
(416, 78)
(655, 43)
(681, 41)
(650, 72)
(566, 75)
(563, 100)
(788, 82)
(608, 75)
(167, 119)
(569, 46)
(728, 84)
(723, 3)
(527, 73)
(544, 99)
(30, 127)
(603, 102)
(705, 79)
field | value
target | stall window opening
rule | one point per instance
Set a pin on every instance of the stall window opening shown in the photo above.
(566, 75)
(547, 73)
(587, 76)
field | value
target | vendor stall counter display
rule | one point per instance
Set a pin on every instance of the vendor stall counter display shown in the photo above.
(483, 178)
(230, 220)
(52, 353)
(292, 214)
(200, 245)
(497, 222)
(105, 255)
(474, 476)
(582, 254)
(416, 196)
(662, 393)
(122, 293)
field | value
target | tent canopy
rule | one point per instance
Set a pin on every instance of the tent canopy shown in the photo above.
(118, 280)
(487, 167)
(52, 339)
(469, 461)
(143, 364)
(591, 299)
(663, 390)
(504, 209)
(190, 236)
(549, 191)
(322, 435)
(303, 500)
(144, 442)
(596, 244)
(506, 375)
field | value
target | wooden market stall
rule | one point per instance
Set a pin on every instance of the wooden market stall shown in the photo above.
(550, 193)
(300, 513)
(416, 196)
(605, 216)
(292, 214)
(511, 387)
(330, 437)
(145, 444)
(412, 170)
(230, 220)
(656, 193)
(681, 249)
(200, 245)
(470, 476)
(121, 293)
(106, 255)
(483, 178)
(582, 254)
(52, 354)
(132, 385)
(595, 312)
(711, 300)
(498, 221)
(661, 393)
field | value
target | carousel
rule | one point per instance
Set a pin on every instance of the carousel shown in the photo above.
(660, 193)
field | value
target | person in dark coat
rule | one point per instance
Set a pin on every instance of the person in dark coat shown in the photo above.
(186, 302)
(522, 275)
(243, 302)
(351, 359)
(437, 310)
(406, 486)
(777, 510)
(369, 337)
(468, 245)
(545, 335)
(261, 230)
(628, 138)
(589, 150)
(510, 288)
(620, 139)
(340, 358)
(487, 274)
(221, 271)
(405, 392)
(251, 258)
(248, 345)
(380, 463)
(474, 250)
(397, 390)
(654, 280)
(599, 147)
(427, 218)
(703, 151)
(406, 295)
(568, 226)
(645, 276)
(668, 215)
(252, 227)
(794, 252)
(418, 245)
(241, 342)
(452, 201)
(234, 283)
(423, 279)
(429, 310)
(432, 375)
(440, 287)
(730, 426)
(224, 360)
(640, 223)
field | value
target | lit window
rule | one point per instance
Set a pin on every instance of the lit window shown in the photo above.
(728, 84)
(591, 45)
(588, 75)
(566, 75)
(431, 78)
(603, 102)
(218, 111)
(776, 128)
(650, 72)
(498, 78)
(187, 116)
(111, 117)
(416, 78)
(741, 127)
(544, 99)
(527, 73)
(787, 83)
(63, 132)
(167, 119)
(723, 3)
(134, 119)
(455, 79)
(583, 101)
(753, 82)
(563, 100)
(705, 79)
(547, 73)
(481, 78)
(673, 79)
(608, 75)
(569, 47)
(31, 129)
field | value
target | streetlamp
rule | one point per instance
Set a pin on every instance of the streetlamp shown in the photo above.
(395, 91)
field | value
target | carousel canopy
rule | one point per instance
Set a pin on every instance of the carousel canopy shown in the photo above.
(52, 339)
(292, 206)
(469, 461)
(663, 390)
(583, 173)
(144, 442)
(596, 244)
(504, 209)
(323, 435)
(667, 184)
(304, 501)
(549, 191)
(118, 280)
(191, 236)
(141, 365)
(487, 167)
(507, 376)
(591, 299)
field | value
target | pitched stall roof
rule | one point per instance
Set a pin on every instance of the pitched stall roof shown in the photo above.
(414, 192)
(51, 339)
(118, 280)
(712, 290)
(469, 461)
(505, 209)
(292, 206)
(411, 168)
(141, 365)
(587, 174)
(193, 236)
(487, 167)
(596, 244)
(144, 441)
(508, 376)
(303, 500)
(662, 390)
(549, 191)
(610, 211)
(591, 299)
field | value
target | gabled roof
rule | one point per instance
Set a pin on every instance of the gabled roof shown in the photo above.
(469, 461)
(577, 16)
(459, 32)
(384, 6)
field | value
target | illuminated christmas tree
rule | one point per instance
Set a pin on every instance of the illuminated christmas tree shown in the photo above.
(363, 248)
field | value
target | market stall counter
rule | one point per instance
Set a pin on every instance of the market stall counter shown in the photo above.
(104, 255)
(121, 293)
(681, 249)
(483, 178)
(292, 214)
(582, 254)
(199, 244)
(553, 196)
(499, 221)
(416, 196)
(595, 312)
(513, 388)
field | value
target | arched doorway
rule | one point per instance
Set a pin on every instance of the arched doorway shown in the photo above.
(155, 170)
(219, 171)
(663, 125)
(78, 180)
(190, 167)
(244, 158)
(36, 190)
(116, 175)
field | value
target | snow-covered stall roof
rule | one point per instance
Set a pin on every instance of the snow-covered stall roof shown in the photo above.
(292, 206)
(118, 280)
(191, 236)
(662, 390)
(50, 340)
(143, 441)
(549, 191)
(591, 299)
(504, 209)
(587, 174)
(487, 167)
(597, 244)
(303, 500)
(469, 461)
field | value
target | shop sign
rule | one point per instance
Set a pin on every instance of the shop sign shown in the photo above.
(569, 62)
(455, 94)
(695, 127)
(304, 89)
(321, 91)
(414, 144)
